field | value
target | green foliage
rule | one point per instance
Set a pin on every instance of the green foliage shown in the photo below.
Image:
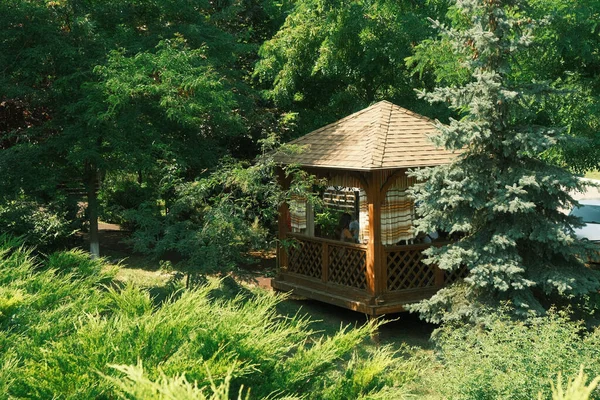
(364, 378)
(120, 87)
(73, 334)
(213, 222)
(499, 195)
(136, 386)
(331, 58)
(119, 196)
(42, 225)
(504, 359)
(10, 299)
(327, 222)
(564, 54)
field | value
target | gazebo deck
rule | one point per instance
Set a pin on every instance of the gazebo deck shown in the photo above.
(336, 272)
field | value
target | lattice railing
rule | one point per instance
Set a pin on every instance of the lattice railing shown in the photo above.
(347, 266)
(456, 275)
(406, 270)
(305, 258)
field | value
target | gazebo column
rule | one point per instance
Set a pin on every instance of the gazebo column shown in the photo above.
(374, 246)
(282, 221)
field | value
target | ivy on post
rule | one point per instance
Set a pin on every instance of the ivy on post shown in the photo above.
(498, 197)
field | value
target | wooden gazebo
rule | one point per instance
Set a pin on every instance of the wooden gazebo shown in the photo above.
(369, 151)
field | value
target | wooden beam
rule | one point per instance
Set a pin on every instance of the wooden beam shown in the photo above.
(439, 277)
(374, 247)
(282, 221)
(325, 261)
(391, 180)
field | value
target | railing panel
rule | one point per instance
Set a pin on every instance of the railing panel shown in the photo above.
(305, 258)
(406, 270)
(451, 277)
(347, 266)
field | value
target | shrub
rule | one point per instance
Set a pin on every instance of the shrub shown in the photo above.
(136, 385)
(42, 225)
(212, 223)
(72, 325)
(119, 196)
(576, 388)
(511, 359)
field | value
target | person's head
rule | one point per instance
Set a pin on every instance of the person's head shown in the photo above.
(345, 221)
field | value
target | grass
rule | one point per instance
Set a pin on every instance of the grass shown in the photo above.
(398, 330)
(69, 330)
(592, 175)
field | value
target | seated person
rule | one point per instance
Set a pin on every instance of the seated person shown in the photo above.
(344, 228)
(354, 229)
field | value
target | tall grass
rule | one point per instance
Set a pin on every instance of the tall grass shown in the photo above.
(68, 331)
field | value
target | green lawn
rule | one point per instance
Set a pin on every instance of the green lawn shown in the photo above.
(593, 175)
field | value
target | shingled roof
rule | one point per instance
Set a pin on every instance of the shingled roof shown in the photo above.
(382, 136)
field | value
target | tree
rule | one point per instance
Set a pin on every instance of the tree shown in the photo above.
(125, 87)
(566, 54)
(332, 58)
(499, 196)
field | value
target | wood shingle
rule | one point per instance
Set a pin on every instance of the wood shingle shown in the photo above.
(382, 136)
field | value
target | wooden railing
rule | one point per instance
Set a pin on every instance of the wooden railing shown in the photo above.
(406, 269)
(344, 264)
(330, 260)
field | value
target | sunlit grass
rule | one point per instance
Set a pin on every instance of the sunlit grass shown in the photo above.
(592, 175)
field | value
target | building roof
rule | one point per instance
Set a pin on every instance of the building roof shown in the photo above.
(382, 136)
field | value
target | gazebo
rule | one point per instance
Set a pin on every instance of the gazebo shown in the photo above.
(364, 158)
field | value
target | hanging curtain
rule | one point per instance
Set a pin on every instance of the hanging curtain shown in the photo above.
(297, 207)
(397, 213)
(363, 217)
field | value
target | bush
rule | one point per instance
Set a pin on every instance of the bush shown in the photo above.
(212, 223)
(576, 388)
(118, 197)
(40, 225)
(513, 360)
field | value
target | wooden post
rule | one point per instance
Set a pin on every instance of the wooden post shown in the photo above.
(282, 222)
(310, 220)
(439, 277)
(325, 263)
(282, 234)
(374, 247)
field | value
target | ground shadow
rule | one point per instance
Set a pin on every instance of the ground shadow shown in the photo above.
(397, 329)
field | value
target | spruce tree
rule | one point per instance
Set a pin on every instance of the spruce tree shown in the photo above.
(499, 198)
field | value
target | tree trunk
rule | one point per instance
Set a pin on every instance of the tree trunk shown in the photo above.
(92, 209)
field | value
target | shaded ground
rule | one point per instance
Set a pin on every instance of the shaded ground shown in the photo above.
(398, 329)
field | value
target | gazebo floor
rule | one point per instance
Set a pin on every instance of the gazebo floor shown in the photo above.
(350, 298)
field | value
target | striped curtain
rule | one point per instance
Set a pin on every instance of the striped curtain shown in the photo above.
(397, 213)
(363, 217)
(297, 207)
